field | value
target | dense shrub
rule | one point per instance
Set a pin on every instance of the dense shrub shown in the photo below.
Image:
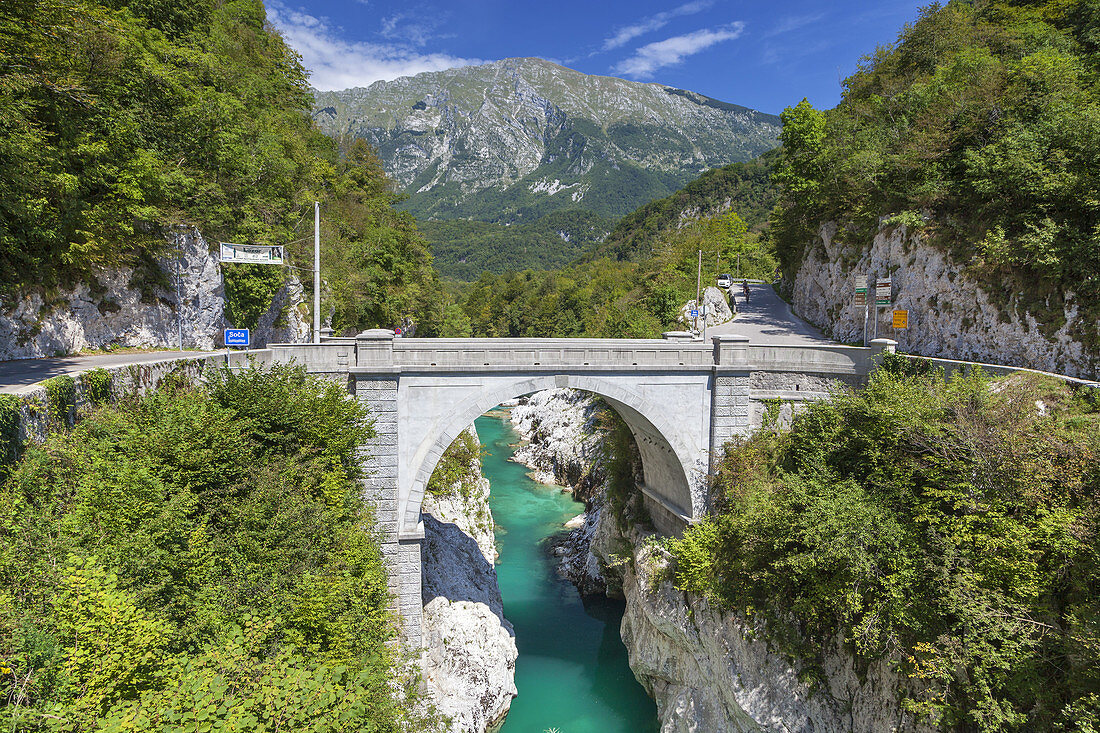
(948, 525)
(200, 555)
(455, 472)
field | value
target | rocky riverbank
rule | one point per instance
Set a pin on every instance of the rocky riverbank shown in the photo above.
(563, 448)
(708, 669)
(470, 657)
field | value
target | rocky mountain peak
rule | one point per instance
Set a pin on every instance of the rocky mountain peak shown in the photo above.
(519, 138)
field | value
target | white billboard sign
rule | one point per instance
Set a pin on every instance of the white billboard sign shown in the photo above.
(252, 253)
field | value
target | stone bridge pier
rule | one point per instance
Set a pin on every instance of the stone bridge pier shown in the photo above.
(682, 400)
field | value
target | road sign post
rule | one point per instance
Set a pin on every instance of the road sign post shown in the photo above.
(883, 297)
(237, 337)
(860, 298)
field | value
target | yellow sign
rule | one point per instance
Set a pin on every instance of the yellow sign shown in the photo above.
(901, 319)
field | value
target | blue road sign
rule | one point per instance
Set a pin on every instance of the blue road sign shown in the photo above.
(694, 314)
(236, 337)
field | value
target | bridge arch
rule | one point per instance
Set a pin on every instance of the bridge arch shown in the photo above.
(669, 463)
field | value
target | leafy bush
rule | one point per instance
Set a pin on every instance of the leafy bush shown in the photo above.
(10, 424)
(188, 516)
(455, 471)
(97, 385)
(60, 398)
(947, 525)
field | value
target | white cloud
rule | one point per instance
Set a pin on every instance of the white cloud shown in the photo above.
(653, 56)
(335, 63)
(654, 22)
(415, 28)
(793, 23)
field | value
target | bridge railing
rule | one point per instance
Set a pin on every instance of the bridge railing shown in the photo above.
(379, 350)
(526, 353)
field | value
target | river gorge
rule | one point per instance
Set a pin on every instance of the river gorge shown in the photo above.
(572, 672)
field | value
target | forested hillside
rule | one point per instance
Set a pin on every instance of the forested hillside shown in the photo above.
(980, 126)
(463, 248)
(633, 285)
(743, 187)
(122, 119)
(614, 298)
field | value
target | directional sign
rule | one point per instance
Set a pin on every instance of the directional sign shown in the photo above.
(860, 282)
(236, 337)
(253, 253)
(694, 313)
(901, 319)
(883, 291)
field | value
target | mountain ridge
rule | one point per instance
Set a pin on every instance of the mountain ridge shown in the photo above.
(515, 140)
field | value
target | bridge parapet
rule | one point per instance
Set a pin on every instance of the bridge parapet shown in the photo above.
(378, 350)
(824, 359)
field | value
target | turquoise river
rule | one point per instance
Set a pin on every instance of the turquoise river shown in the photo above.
(572, 671)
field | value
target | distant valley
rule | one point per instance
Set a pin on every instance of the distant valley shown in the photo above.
(523, 162)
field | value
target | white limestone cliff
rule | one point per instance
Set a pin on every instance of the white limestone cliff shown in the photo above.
(470, 658)
(712, 671)
(561, 443)
(118, 310)
(950, 315)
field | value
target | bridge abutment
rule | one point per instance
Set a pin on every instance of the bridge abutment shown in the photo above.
(400, 553)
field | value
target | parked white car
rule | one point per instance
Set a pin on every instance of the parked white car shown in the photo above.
(725, 281)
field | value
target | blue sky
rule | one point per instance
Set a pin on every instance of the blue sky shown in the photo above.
(765, 55)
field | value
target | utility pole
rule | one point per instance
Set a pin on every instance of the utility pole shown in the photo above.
(698, 289)
(179, 289)
(316, 272)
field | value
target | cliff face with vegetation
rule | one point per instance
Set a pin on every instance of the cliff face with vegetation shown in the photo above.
(114, 308)
(951, 313)
(127, 120)
(978, 128)
(945, 527)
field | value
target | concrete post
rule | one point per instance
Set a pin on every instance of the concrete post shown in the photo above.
(880, 346)
(731, 350)
(374, 348)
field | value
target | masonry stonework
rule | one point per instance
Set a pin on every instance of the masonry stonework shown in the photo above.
(682, 401)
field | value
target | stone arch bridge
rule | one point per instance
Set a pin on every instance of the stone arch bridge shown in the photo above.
(682, 400)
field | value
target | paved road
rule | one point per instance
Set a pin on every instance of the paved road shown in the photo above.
(20, 375)
(766, 318)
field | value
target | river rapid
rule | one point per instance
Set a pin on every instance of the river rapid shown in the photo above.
(572, 672)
